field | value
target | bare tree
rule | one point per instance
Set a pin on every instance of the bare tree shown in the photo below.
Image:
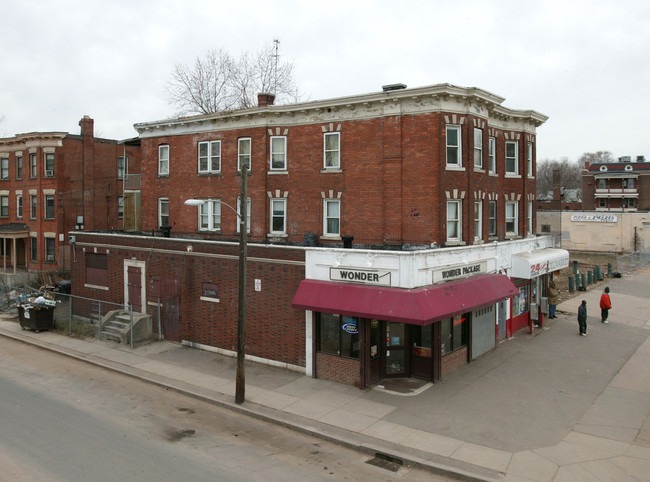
(570, 174)
(218, 83)
(598, 157)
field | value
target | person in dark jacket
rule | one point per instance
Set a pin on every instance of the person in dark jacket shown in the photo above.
(605, 305)
(553, 295)
(582, 318)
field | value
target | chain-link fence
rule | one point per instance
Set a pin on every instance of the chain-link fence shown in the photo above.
(626, 263)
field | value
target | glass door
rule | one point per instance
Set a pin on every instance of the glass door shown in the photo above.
(396, 346)
(421, 351)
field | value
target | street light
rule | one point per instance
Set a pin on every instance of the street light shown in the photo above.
(240, 382)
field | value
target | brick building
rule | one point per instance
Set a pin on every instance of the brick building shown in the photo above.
(52, 183)
(404, 172)
(617, 186)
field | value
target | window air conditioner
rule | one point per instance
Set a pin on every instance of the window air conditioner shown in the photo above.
(50, 257)
(49, 173)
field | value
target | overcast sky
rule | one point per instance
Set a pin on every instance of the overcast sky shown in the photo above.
(585, 64)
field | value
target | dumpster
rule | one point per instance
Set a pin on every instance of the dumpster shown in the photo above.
(36, 318)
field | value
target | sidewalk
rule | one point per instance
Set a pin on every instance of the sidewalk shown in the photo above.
(547, 406)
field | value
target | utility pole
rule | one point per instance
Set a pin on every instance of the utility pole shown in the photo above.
(240, 383)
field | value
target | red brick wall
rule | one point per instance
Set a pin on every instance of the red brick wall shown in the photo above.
(338, 369)
(453, 360)
(393, 180)
(274, 329)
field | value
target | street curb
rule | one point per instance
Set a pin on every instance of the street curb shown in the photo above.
(435, 464)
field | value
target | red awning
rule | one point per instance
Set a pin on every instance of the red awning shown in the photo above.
(420, 306)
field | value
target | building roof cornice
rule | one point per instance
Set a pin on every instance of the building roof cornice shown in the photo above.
(433, 98)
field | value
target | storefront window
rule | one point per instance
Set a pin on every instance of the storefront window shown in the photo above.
(338, 335)
(454, 333)
(422, 341)
(520, 301)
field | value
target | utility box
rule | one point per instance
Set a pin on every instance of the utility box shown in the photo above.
(534, 312)
(543, 306)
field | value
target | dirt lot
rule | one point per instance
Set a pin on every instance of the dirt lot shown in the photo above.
(586, 262)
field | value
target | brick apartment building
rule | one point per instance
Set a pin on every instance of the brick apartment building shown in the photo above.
(52, 183)
(394, 176)
(617, 186)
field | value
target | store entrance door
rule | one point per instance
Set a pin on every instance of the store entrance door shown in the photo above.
(421, 351)
(374, 346)
(396, 350)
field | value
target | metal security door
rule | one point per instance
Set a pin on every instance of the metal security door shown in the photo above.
(134, 283)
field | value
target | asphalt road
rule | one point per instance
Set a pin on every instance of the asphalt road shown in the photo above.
(61, 419)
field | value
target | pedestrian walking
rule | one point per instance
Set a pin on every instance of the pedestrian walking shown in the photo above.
(605, 305)
(582, 318)
(553, 295)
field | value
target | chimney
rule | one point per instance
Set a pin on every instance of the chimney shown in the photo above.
(87, 126)
(264, 99)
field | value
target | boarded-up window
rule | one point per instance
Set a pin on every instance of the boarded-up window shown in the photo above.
(96, 269)
(210, 290)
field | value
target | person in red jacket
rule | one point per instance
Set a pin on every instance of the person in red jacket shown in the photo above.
(605, 305)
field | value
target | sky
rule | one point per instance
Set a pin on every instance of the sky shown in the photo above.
(585, 64)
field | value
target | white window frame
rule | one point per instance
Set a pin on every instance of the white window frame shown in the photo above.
(211, 159)
(334, 153)
(121, 166)
(248, 214)
(282, 153)
(120, 207)
(478, 148)
(33, 165)
(512, 218)
(492, 218)
(244, 156)
(478, 220)
(163, 201)
(530, 217)
(47, 197)
(49, 164)
(33, 206)
(457, 147)
(530, 159)
(19, 206)
(457, 221)
(19, 167)
(515, 159)
(281, 202)
(327, 217)
(4, 206)
(210, 215)
(492, 155)
(163, 160)
(4, 168)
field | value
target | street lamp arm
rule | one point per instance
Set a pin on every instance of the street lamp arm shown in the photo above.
(199, 202)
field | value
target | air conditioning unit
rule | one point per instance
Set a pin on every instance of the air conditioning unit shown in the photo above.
(49, 173)
(49, 257)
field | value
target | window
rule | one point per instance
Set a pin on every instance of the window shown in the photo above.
(19, 205)
(332, 150)
(278, 216)
(19, 167)
(50, 249)
(4, 206)
(602, 184)
(4, 168)
(49, 164)
(628, 183)
(33, 165)
(478, 148)
(512, 164)
(546, 228)
(279, 153)
(332, 217)
(120, 207)
(454, 333)
(96, 269)
(244, 153)
(209, 292)
(492, 206)
(209, 156)
(338, 335)
(530, 159)
(530, 217)
(33, 249)
(248, 214)
(453, 146)
(511, 217)
(121, 166)
(163, 160)
(49, 206)
(520, 302)
(453, 221)
(210, 215)
(602, 203)
(492, 154)
(33, 204)
(478, 220)
(163, 211)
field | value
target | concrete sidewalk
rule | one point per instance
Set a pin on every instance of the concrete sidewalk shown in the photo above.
(547, 406)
